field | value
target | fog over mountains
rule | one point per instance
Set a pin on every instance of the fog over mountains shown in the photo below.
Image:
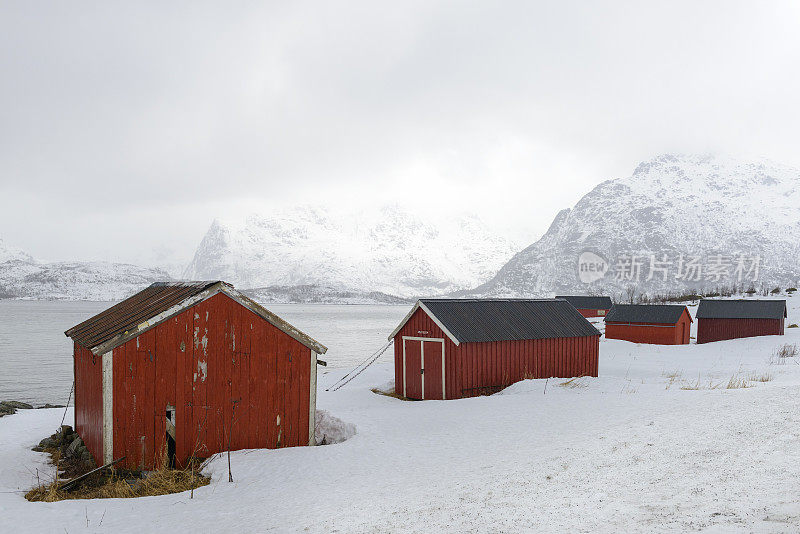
(676, 223)
(389, 250)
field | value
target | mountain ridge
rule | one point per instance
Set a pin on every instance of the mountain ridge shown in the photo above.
(672, 208)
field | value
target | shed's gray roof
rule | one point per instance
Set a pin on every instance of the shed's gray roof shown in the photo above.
(587, 302)
(645, 313)
(477, 320)
(741, 309)
(160, 301)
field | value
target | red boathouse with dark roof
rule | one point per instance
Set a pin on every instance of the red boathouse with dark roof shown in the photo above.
(187, 369)
(454, 348)
(718, 320)
(657, 324)
(589, 305)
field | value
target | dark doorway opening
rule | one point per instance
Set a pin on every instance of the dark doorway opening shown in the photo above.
(170, 436)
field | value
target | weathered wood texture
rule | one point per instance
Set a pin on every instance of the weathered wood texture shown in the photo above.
(88, 373)
(231, 376)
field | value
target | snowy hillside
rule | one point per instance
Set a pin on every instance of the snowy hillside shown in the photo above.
(21, 276)
(388, 250)
(677, 222)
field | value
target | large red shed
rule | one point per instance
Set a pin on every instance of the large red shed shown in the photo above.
(589, 305)
(729, 319)
(185, 369)
(454, 348)
(658, 324)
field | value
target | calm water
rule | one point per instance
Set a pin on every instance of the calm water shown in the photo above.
(36, 357)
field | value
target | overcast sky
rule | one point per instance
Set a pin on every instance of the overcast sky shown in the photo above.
(126, 128)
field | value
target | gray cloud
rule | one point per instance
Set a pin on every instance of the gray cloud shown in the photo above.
(126, 128)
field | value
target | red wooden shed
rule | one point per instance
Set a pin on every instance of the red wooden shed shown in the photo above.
(589, 305)
(658, 324)
(184, 369)
(454, 348)
(729, 319)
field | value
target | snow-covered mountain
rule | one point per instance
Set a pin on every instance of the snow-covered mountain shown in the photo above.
(9, 253)
(21, 276)
(698, 221)
(388, 250)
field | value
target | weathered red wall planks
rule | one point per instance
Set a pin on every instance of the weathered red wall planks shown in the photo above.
(709, 330)
(231, 376)
(88, 372)
(473, 369)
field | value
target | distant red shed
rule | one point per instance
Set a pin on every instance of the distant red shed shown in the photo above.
(454, 348)
(718, 320)
(589, 305)
(184, 369)
(658, 324)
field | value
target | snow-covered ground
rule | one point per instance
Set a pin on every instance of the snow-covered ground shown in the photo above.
(629, 451)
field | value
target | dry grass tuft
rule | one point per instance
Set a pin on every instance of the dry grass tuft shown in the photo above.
(737, 382)
(781, 354)
(573, 383)
(762, 377)
(125, 484)
(692, 385)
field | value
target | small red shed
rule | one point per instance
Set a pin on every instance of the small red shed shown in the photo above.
(658, 324)
(589, 305)
(185, 369)
(455, 348)
(718, 320)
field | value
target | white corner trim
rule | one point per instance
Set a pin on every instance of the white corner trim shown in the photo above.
(436, 321)
(108, 406)
(405, 380)
(312, 400)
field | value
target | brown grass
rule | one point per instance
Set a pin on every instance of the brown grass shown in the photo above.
(737, 382)
(573, 383)
(756, 377)
(119, 484)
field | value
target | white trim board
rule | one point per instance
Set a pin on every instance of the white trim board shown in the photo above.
(107, 360)
(312, 400)
(437, 322)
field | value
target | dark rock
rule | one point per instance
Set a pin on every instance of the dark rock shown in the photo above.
(48, 405)
(16, 405)
(76, 444)
(47, 443)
